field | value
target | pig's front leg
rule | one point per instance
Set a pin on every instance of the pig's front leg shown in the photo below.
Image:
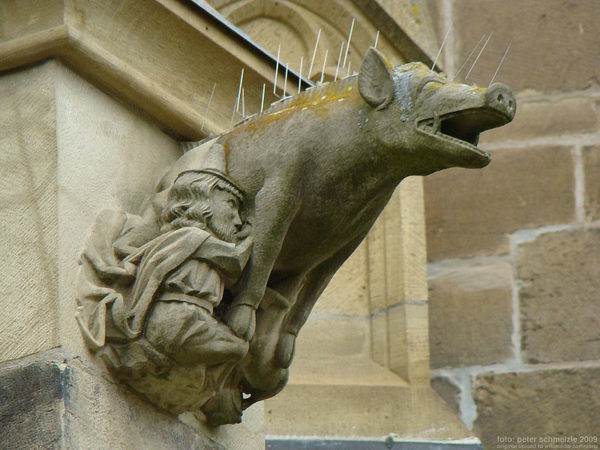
(274, 211)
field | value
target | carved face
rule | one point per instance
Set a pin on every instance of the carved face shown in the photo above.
(225, 220)
(438, 120)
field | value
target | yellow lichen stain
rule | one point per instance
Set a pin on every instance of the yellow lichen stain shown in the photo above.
(319, 102)
(476, 90)
(418, 67)
(226, 149)
(387, 62)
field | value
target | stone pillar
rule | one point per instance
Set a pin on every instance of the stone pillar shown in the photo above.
(361, 372)
(70, 151)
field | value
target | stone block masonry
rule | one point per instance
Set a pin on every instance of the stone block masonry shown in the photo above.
(518, 355)
(559, 304)
(509, 405)
(471, 311)
(530, 186)
(52, 400)
(591, 168)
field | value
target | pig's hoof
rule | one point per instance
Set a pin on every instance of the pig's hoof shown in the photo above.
(242, 320)
(285, 349)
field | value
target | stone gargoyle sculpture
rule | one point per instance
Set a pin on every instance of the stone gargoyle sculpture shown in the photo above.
(197, 303)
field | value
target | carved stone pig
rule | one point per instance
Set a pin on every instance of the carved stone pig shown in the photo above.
(318, 169)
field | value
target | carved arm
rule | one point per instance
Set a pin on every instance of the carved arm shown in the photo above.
(230, 259)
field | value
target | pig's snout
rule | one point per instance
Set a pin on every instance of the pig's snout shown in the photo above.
(499, 97)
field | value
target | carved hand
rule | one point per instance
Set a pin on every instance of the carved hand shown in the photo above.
(245, 231)
(242, 320)
(285, 349)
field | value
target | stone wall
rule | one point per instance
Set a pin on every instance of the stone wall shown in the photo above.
(68, 152)
(514, 248)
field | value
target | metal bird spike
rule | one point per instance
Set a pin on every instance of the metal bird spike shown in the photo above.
(208, 106)
(312, 60)
(237, 100)
(476, 59)
(276, 69)
(348, 44)
(338, 61)
(300, 77)
(499, 64)
(441, 47)
(285, 80)
(376, 39)
(262, 98)
(243, 105)
(324, 64)
(468, 57)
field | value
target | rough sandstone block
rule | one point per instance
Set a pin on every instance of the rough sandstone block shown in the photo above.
(347, 411)
(591, 173)
(448, 391)
(563, 116)
(554, 37)
(409, 342)
(31, 405)
(323, 337)
(470, 315)
(560, 308)
(550, 403)
(28, 215)
(51, 401)
(347, 291)
(470, 213)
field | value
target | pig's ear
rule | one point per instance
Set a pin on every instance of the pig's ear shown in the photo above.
(375, 82)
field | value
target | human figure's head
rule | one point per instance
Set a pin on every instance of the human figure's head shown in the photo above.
(206, 199)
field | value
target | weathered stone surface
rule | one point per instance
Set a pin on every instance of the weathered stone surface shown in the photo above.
(51, 401)
(470, 315)
(28, 215)
(334, 336)
(591, 173)
(104, 148)
(469, 213)
(347, 410)
(18, 19)
(560, 307)
(380, 344)
(560, 37)
(542, 404)
(415, 19)
(408, 342)
(448, 391)
(404, 251)
(31, 397)
(341, 370)
(536, 119)
(347, 291)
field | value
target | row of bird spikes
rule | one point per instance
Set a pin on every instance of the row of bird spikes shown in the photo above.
(239, 107)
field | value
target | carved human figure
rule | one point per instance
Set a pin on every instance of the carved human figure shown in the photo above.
(159, 294)
(181, 323)
(317, 169)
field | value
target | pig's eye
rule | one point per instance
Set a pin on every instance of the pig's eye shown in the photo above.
(425, 81)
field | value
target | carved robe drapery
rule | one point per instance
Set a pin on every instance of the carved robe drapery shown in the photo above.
(149, 307)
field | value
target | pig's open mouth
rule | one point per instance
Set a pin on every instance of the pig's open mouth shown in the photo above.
(462, 128)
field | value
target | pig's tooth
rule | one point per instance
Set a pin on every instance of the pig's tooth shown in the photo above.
(436, 122)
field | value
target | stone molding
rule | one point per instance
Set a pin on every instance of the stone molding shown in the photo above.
(166, 67)
(151, 66)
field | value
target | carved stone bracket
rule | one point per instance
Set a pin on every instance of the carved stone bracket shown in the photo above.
(200, 300)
